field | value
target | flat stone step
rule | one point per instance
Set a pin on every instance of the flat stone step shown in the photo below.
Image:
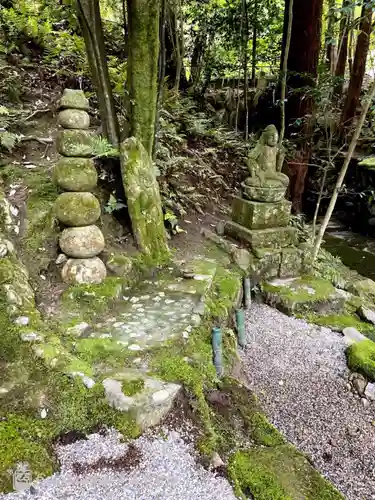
(272, 238)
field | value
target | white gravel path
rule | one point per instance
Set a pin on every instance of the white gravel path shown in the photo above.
(299, 373)
(167, 471)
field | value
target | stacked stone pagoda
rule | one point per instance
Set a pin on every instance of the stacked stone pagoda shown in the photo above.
(77, 209)
(261, 216)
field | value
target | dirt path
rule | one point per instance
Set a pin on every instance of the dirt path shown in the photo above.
(299, 373)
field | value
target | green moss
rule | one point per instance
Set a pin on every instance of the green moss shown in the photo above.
(75, 174)
(361, 358)
(263, 433)
(133, 387)
(279, 473)
(300, 290)
(225, 290)
(144, 203)
(23, 440)
(96, 351)
(368, 162)
(77, 209)
(341, 321)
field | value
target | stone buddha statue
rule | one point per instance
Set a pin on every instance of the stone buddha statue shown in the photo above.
(263, 160)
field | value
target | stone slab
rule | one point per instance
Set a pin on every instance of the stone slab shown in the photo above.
(267, 263)
(272, 238)
(258, 215)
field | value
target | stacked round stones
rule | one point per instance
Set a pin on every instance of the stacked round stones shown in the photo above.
(77, 208)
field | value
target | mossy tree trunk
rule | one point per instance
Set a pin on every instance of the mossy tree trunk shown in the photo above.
(138, 173)
(144, 204)
(143, 18)
(92, 30)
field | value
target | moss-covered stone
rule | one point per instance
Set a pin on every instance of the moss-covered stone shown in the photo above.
(341, 321)
(77, 209)
(84, 271)
(120, 264)
(291, 262)
(303, 295)
(361, 358)
(74, 99)
(144, 203)
(75, 143)
(74, 119)
(75, 174)
(279, 473)
(82, 242)
(256, 215)
(364, 288)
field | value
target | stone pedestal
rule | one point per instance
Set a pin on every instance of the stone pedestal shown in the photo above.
(262, 224)
(78, 208)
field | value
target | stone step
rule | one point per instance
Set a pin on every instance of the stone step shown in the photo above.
(278, 237)
(258, 215)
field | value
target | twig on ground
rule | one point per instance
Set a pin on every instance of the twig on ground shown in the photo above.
(37, 112)
(42, 140)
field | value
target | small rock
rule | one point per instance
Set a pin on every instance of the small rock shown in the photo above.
(61, 259)
(366, 314)
(220, 228)
(77, 330)
(22, 321)
(3, 390)
(359, 383)
(352, 335)
(74, 99)
(43, 413)
(75, 174)
(281, 382)
(31, 337)
(188, 275)
(216, 461)
(370, 392)
(77, 209)
(3, 250)
(365, 402)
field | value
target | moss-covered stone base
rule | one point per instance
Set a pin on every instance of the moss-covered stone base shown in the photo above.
(303, 295)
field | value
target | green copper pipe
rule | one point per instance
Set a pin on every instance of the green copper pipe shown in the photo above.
(240, 323)
(217, 350)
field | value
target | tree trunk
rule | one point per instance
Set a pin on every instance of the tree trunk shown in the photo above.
(161, 73)
(284, 74)
(254, 55)
(143, 69)
(330, 36)
(359, 68)
(197, 57)
(92, 30)
(302, 66)
(343, 48)
(245, 70)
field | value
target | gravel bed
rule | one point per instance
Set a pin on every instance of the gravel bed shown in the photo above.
(164, 469)
(299, 373)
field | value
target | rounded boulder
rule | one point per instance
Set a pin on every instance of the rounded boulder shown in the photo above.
(74, 119)
(84, 271)
(75, 143)
(74, 99)
(75, 174)
(82, 242)
(77, 209)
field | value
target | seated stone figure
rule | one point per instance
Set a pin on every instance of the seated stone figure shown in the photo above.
(263, 159)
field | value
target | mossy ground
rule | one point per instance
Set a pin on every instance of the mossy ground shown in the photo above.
(132, 387)
(278, 473)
